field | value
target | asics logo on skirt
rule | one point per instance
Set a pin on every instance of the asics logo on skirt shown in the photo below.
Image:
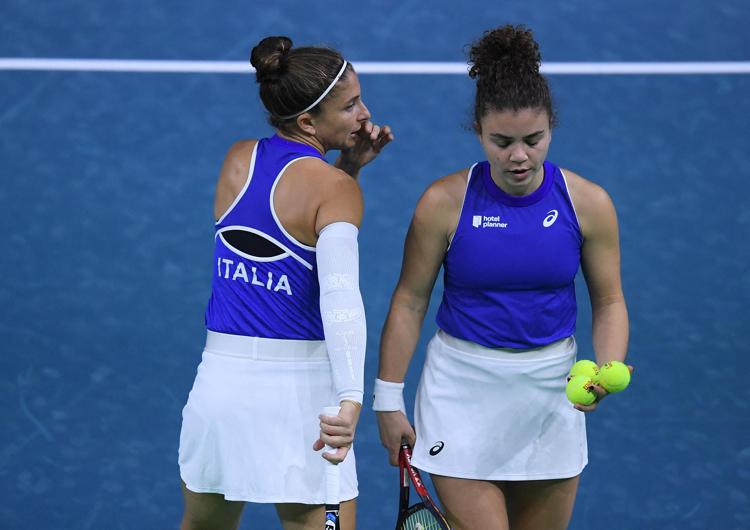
(435, 449)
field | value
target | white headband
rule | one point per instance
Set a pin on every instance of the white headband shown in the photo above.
(324, 94)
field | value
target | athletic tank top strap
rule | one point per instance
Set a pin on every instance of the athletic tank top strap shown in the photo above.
(271, 158)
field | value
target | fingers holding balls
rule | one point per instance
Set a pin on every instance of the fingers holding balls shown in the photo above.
(586, 381)
(579, 390)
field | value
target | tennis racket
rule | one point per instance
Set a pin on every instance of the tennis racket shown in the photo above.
(424, 515)
(332, 483)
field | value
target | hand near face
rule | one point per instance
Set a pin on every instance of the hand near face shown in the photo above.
(370, 140)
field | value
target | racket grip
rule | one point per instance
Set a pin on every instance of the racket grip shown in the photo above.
(332, 470)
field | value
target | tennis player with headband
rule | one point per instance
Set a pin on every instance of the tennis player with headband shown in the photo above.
(285, 320)
(494, 429)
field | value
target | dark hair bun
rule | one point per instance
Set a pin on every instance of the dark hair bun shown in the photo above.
(268, 58)
(505, 51)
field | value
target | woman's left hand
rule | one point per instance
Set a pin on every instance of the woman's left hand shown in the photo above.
(601, 393)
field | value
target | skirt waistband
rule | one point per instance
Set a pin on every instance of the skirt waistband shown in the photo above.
(560, 347)
(263, 349)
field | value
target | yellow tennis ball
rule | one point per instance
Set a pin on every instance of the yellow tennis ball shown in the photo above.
(587, 368)
(579, 390)
(614, 376)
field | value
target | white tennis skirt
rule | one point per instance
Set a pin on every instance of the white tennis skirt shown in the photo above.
(497, 414)
(252, 417)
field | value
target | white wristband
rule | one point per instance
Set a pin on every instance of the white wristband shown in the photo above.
(388, 396)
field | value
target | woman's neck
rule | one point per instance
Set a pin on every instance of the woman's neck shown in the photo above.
(312, 141)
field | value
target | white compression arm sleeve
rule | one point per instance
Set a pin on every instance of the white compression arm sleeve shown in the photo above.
(341, 308)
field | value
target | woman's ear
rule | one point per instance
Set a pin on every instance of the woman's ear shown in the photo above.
(305, 123)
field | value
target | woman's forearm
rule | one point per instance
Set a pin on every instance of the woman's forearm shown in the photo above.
(400, 337)
(610, 330)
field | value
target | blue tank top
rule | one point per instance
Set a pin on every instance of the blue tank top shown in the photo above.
(509, 270)
(265, 283)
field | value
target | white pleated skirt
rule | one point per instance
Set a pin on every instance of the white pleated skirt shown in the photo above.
(495, 414)
(252, 417)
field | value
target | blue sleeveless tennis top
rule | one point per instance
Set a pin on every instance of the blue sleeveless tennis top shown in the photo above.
(265, 283)
(509, 270)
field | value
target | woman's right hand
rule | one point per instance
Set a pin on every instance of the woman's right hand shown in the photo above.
(338, 431)
(394, 426)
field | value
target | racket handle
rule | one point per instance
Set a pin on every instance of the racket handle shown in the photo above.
(332, 470)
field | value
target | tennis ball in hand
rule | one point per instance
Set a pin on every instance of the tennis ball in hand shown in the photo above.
(587, 368)
(614, 376)
(579, 390)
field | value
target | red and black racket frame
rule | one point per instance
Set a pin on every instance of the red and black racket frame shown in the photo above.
(409, 473)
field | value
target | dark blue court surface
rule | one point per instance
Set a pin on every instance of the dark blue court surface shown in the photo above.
(106, 216)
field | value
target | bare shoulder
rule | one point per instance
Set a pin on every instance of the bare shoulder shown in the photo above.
(242, 149)
(323, 179)
(592, 202)
(233, 175)
(236, 165)
(445, 194)
(439, 207)
(322, 193)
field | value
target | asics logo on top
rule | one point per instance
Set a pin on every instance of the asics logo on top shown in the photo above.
(550, 219)
(487, 221)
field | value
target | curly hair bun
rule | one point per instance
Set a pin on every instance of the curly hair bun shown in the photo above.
(268, 58)
(503, 52)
